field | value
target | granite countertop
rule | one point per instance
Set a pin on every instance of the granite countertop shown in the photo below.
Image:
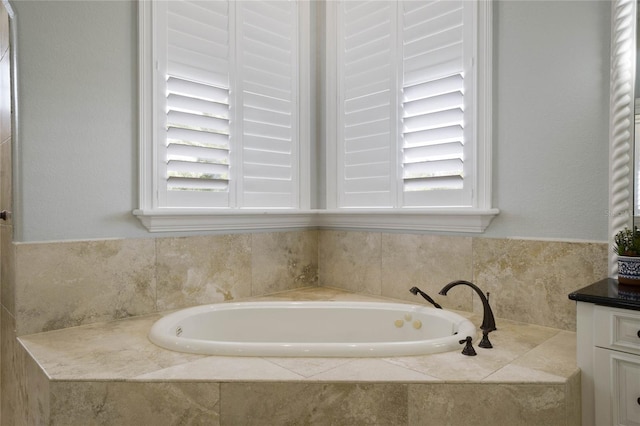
(120, 351)
(609, 292)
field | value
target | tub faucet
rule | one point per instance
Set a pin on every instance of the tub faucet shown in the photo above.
(416, 290)
(488, 321)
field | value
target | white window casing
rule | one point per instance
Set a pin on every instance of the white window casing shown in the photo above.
(225, 105)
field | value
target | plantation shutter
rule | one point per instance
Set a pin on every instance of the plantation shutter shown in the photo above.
(433, 104)
(195, 150)
(227, 104)
(404, 96)
(268, 62)
(366, 103)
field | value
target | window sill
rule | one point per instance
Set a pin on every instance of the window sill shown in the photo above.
(441, 219)
(435, 219)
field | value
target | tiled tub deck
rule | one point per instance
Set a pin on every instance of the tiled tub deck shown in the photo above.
(110, 374)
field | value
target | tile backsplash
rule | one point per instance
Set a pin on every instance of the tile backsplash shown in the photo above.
(64, 284)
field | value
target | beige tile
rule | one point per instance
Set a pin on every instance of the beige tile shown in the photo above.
(350, 261)
(486, 405)
(114, 350)
(11, 370)
(519, 374)
(371, 369)
(67, 284)
(574, 400)
(7, 269)
(318, 404)
(283, 261)
(320, 294)
(25, 391)
(220, 368)
(510, 341)
(552, 361)
(529, 280)
(134, 404)
(37, 397)
(428, 262)
(309, 367)
(200, 270)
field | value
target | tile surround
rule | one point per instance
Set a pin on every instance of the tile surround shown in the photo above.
(81, 282)
(529, 280)
(471, 404)
(61, 285)
(47, 286)
(198, 270)
(314, 403)
(350, 261)
(283, 261)
(118, 376)
(121, 403)
(429, 262)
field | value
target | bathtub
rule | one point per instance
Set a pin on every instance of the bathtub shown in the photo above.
(307, 329)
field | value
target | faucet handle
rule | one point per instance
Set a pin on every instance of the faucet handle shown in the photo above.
(468, 347)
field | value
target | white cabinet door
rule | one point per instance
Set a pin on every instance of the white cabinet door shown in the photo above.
(617, 388)
(617, 329)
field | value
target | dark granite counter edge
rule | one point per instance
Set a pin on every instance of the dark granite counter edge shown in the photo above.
(609, 292)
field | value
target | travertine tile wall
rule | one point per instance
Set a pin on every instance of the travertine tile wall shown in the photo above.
(528, 280)
(390, 264)
(64, 284)
(453, 404)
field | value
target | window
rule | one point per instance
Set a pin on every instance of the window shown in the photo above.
(224, 108)
(226, 114)
(412, 87)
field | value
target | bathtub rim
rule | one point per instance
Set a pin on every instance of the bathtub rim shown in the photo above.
(160, 334)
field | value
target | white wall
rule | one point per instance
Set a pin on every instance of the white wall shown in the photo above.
(78, 125)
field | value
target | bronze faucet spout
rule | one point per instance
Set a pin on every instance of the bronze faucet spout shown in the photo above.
(488, 321)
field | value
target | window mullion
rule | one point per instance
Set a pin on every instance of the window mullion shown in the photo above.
(397, 145)
(235, 108)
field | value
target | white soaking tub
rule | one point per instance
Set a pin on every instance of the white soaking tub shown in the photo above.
(308, 329)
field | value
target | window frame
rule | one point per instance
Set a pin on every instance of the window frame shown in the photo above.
(481, 110)
(157, 218)
(474, 219)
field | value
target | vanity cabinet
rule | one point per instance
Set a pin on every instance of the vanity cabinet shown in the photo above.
(608, 333)
(616, 366)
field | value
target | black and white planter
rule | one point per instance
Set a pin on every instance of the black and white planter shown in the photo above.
(629, 270)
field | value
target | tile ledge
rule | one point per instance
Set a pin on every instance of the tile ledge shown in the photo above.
(120, 360)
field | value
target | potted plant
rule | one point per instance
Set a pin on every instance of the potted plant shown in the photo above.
(627, 247)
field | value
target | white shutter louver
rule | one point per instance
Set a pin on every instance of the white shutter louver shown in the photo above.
(197, 137)
(366, 126)
(268, 62)
(433, 101)
(197, 104)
